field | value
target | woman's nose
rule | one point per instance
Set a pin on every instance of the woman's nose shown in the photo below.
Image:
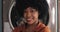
(29, 14)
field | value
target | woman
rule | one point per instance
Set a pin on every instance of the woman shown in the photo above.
(33, 12)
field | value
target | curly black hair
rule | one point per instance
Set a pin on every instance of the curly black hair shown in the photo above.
(40, 5)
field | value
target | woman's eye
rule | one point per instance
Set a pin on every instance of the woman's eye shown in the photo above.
(32, 11)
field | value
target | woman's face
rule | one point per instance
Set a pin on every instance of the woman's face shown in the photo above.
(31, 15)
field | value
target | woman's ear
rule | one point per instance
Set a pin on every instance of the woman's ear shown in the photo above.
(38, 14)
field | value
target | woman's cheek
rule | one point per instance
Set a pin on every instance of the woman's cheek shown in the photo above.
(35, 15)
(24, 15)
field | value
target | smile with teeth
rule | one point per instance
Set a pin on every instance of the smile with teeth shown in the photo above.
(29, 19)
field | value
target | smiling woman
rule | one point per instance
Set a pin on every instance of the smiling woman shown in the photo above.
(40, 5)
(32, 15)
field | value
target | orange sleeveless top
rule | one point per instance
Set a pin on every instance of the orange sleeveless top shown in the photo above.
(39, 28)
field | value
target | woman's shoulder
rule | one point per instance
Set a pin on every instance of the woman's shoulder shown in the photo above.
(18, 28)
(46, 29)
(42, 27)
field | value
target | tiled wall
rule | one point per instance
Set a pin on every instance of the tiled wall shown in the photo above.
(59, 13)
(6, 6)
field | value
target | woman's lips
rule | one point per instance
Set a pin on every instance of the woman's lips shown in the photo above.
(29, 20)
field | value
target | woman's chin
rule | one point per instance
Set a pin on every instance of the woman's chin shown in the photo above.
(30, 23)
